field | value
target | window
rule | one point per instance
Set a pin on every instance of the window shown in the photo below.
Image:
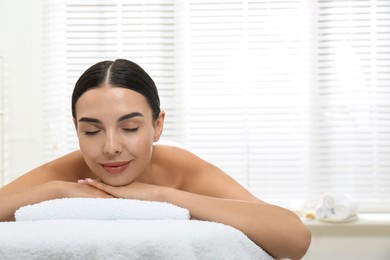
(292, 98)
(353, 109)
(79, 34)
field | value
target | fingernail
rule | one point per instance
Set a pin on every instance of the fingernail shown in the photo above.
(88, 180)
(81, 181)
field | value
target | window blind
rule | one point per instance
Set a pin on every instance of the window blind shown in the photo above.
(54, 80)
(81, 33)
(353, 101)
(291, 98)
(249, 108)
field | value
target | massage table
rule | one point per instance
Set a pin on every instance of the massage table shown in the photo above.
(119, 229)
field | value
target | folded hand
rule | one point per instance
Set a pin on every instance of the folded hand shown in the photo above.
(76, 190)
(134, 190)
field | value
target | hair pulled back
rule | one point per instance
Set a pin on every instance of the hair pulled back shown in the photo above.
(119, 73)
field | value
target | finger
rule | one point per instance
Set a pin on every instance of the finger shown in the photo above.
(87, 180)
(99, 185)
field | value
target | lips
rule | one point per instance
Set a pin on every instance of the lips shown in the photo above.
(115, 167)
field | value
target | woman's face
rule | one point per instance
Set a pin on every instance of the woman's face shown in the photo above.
(116, 133)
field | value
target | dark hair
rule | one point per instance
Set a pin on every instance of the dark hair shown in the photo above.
(119, 73)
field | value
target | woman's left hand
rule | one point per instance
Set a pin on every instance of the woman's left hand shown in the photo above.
(134, 190)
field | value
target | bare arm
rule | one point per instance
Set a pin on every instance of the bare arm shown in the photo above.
(11, 201)
(211, 195)
(49, 181)
(275, 229)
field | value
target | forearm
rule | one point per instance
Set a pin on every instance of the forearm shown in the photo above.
(11, 201)
(276, 230)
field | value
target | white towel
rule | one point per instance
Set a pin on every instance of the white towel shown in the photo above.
(119, 229)
(100, 209)
(328, 200)
(125, 239)
(322, 212)
(337, 207)
(345, 209)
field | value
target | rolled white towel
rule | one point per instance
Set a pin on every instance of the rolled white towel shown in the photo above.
(322, 212)
(329, 200)
(345, 209)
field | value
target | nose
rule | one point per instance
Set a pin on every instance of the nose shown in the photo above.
(113, 144)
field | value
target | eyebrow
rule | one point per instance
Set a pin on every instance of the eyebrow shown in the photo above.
(130, 115)
(122, 118)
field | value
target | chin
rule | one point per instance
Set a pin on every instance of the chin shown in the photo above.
(116, 182)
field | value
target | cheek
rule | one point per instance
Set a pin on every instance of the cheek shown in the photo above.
(140, 145)
(88, 148)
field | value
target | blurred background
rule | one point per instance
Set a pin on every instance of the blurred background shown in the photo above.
(291, 98)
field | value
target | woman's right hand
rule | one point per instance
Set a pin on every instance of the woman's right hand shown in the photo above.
(64, 189)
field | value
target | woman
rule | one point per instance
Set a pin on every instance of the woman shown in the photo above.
(116, 112)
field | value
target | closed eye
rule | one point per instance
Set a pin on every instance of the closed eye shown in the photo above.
(91, 132)
(130, 129)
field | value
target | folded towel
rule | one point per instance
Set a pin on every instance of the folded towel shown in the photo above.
(328, 200)
(125, 239)
(345, 209)
(337, 207)
(322, 212)
(83, 228)
(100, 209)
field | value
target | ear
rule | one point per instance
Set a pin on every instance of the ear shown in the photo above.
(159, 126)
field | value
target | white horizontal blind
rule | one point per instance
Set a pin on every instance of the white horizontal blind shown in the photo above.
(354, 100)
(55, 90)
(289, 97)
(249, 83)
(91, 31)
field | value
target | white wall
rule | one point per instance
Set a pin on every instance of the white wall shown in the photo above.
(20, 49)
(339, 241)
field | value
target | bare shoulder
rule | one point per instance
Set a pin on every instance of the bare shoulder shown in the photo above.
(196, 175)
(70, 167)
(173, 157)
